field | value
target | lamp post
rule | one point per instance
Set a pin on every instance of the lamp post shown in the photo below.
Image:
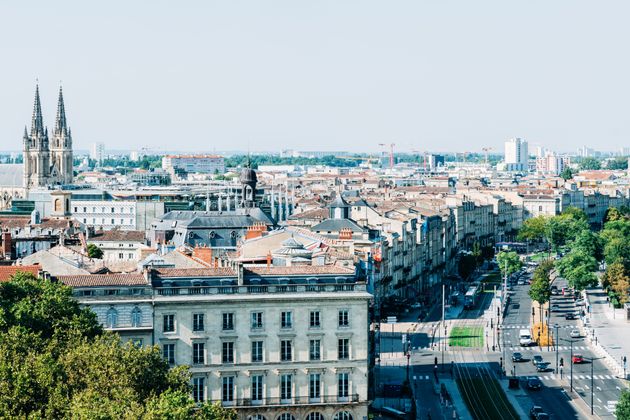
(592, 383)
(571, 360)
(556, 326)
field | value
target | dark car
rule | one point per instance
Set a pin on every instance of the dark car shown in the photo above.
(517, 357)
(535, 410)
(542, 416)
(534, 383)
(537, 359)
(542, 367)
(569, 316)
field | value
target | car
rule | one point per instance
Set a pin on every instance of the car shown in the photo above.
(517, 357)
(521, 282)
(555, 308)
(577, 359)
(534, 383)
(542, 367)
(569, 316)
(533, 412)
(416, 305)
(537, 359)
(542, 416)
(575, 334)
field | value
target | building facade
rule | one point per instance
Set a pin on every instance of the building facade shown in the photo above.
(516, 154)
(201, 164)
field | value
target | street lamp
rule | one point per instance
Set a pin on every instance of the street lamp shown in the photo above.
(592, 383)
(556, 326)
(571, 361)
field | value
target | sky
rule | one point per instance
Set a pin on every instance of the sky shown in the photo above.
(267, 75)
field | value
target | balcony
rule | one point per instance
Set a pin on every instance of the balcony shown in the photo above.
(230, 290)
(298, 400)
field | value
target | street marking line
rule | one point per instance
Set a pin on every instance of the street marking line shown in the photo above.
(599, 400)
(608, 377)
(581, 376)
(426, 377)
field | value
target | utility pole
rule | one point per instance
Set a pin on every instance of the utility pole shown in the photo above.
(571, 360)
(444, 324)
(556, 343)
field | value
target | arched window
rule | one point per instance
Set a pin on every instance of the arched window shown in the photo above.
(256, 417)
(136, 317)
(315, 416)
(286, 416)
(112, 317)
(343, 415)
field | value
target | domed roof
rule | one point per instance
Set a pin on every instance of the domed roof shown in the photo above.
(291, 248)
(248, 176)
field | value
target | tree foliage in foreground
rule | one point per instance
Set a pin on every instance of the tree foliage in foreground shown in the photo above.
(622, 410)
(540, 289)
(509, 262)
(56, 363)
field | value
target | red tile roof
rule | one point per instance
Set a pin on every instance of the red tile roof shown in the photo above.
(8, 271)
(87, 280)
(118, 236)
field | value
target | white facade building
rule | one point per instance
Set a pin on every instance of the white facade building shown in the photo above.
(516, 154)
(105, 214)
(203, 164)
(98, 152)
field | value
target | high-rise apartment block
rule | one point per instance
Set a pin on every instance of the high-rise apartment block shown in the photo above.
(516, 154)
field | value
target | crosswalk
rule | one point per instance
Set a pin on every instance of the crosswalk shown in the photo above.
(551, 348)
(550, 377)
(526, 327)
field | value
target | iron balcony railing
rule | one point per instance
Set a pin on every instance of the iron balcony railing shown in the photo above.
(296, 400)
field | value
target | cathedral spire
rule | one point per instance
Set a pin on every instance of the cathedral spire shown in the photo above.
(37, 125)
(60, 121)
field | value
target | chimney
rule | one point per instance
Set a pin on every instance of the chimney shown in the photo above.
(268, 259)
(6, 244)
(345, 234)
(239, 269)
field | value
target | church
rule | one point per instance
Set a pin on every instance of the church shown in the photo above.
(47, 161)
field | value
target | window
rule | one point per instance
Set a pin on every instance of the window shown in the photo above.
(257, 320)
(286, 416)
(198, 388)
(315, 348)
(257, 351)
(168, 353)
(227, 389)
(256, 417)
(136, 317)
(344, 318)
(113, 222)
(168, 323)
(120, 254)
(84, 210)
(314, 386)
(75, 209)
(285, 351)
(198, 353)
(285, 320)
(285, 386)
(112, 209)
(315, 319)
(343, 384)
(198, 322)
(343, 349)
(257, 388)
(112, 318)
(315, 416)
(539, 208)
(343, 415)
(227, 352)
(228, 321)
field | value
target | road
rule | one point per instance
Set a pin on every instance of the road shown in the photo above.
(553, 397)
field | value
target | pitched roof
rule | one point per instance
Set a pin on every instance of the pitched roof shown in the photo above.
(117, 235)
(335, 225)
(300, 270)
(8, 271)
(196, 272)
(96, 280)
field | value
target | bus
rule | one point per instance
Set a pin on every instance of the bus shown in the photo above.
(470, 298)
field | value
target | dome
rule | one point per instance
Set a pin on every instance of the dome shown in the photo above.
(291, 248)
(248, 176)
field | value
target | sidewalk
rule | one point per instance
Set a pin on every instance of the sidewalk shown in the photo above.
(608, 331)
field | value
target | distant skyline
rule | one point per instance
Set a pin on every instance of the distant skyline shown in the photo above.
(326, 75)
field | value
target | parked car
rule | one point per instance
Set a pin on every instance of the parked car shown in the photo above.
(570, 316)
(535, 410)
(575, 334)
(577, 359)
(517, 357)
(537, 359)
(534, 383)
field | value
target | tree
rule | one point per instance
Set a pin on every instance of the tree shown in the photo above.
(56, 362)
(567, 173)
(94, 251)
(579, 269)
(540, 289)
(466, 266)
(620, 163)
(533, 229)
(565, 227)
(622, 410)
(589, 243)
(509, 262)
(616, 279)
(590, 164)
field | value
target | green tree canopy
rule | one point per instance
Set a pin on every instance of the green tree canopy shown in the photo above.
(509, 262)
(622, 409)
(579, 269)
(56, 363)
(619, 163)
(533, 229)
(540, 289)
(567, 173)
(94, 251)
(590, 164)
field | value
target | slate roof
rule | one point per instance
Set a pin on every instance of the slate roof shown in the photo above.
(96, 280)
(335, 225)
(196, 272)
(8, 271)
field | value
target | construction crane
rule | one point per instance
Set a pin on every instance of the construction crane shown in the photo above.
(391, 153)
(424, 154)
(486, 150)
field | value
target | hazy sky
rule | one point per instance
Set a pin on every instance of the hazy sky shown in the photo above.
(320, 75)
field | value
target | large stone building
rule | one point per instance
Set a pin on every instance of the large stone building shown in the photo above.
(47, 161)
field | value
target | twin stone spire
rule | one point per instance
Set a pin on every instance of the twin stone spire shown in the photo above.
(47, 161)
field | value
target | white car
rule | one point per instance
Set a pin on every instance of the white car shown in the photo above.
(575, 334)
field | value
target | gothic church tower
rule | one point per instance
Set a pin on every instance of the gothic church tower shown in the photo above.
(47, 163)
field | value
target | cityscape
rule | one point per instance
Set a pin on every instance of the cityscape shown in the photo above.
(407, 276)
